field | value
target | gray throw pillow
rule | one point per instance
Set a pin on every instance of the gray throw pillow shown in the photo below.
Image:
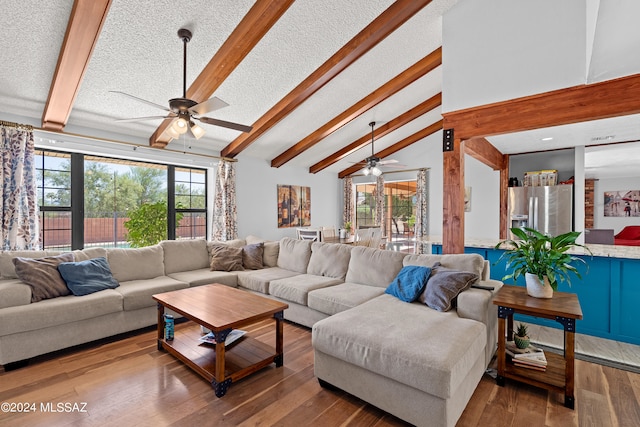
(444, 285)
(225, 258)
(42, 275)
(252, 256)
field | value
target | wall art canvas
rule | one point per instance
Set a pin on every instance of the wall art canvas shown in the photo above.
(294, 206)
(622, 203)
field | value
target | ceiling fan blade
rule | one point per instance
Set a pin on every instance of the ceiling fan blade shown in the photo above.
(141, 119)
(153, 104)
(211, 104)
(225, 124)
(387, 161)
(395, 166)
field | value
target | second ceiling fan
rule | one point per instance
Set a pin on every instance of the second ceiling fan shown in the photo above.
(372, 162)
(183, 110)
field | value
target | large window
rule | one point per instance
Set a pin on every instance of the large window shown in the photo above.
(365, 205)
(86, 200)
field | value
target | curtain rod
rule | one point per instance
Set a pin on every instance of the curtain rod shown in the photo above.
(15, 125)
(389, 172)
(127, 143)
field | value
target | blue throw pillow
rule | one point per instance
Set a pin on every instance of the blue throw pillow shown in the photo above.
(409, 283)
(87, 277)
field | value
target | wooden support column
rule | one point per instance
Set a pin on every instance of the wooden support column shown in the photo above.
(504, 198)
(452, 195)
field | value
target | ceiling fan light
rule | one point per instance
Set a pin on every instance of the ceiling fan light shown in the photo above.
(197, 131)
(180, 125)
(172, 132)
(376, 171)
(366, 171)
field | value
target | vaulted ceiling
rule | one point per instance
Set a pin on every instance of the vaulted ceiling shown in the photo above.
(308, 75)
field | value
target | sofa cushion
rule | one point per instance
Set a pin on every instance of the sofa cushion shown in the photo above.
(184, 255)
(235, 243)
(465, 262)
(258, 280)
(225, 258)
(7, 269)
(296, 288)
(136, 264)
(87, 277)
(14, 292)
(444, 285)
(294, 254)
(271, 250)
(89, 253)
(410, 343)
(341, 297)
(329, 259)
(138, 293)
(409, 283)
(373, 267)
(42, 275)
(252, 256)
(205, 276)
(59, 311)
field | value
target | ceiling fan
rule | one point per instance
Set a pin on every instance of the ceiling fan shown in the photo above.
(184, 110)
(372, 162)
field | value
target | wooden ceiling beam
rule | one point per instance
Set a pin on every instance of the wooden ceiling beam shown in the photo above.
(255, 24)
(386, 128)
(483, 151)
(389, 20)
(83, 30)
(402, 80)
(576, 104)
(404, 143)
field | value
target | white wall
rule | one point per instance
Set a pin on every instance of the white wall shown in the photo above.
(256, 194)
(495, 50)
(613, 184)
(483, 221)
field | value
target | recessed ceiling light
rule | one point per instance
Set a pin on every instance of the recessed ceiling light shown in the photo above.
(548, 138)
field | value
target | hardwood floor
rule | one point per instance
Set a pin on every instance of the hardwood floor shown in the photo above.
(128, 382)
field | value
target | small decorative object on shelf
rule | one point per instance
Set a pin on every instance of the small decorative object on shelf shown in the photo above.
(521, 338)
(168, 327)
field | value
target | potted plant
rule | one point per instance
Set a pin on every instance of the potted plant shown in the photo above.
(521, 338)
(542, 259)
(347, 226)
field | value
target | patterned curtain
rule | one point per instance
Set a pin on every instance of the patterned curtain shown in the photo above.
(380, 203)
(20, 222)
(225, 218)
(422, 208)
(348, 210)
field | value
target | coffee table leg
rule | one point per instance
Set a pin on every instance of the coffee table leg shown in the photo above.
(279, 359)
(219, 383)
(160, 325)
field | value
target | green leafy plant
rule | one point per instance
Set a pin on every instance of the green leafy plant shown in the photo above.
(147, 225)
(542, 255)
(522, 330)
(347, 226)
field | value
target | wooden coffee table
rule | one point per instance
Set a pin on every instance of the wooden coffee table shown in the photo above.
(221, 308)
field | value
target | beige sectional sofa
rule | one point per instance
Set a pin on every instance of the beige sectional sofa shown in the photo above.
(417, 363)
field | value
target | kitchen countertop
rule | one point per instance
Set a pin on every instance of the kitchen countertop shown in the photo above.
(613, 251)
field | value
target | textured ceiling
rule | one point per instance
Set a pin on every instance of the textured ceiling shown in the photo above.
(138, 52)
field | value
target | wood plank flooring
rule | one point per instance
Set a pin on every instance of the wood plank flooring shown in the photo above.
(128, 382)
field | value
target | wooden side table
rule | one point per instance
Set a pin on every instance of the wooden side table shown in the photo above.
(565, 309)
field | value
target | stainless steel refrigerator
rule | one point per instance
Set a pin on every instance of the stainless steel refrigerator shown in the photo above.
(548, 209)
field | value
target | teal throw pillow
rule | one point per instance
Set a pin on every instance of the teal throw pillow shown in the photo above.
(409, 283)
(87, 277)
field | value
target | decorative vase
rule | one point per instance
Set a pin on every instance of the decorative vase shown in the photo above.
(537, 288)
(521, 342)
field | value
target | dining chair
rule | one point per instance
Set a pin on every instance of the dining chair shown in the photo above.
(363, 237)
(375, 237)
(309, 234)
(328, 232)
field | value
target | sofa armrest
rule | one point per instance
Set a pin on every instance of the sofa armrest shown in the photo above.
(477, 304)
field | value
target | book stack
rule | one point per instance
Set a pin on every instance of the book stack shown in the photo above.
(531, 357)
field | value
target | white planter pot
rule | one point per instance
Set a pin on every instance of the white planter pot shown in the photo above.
(536, 288)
